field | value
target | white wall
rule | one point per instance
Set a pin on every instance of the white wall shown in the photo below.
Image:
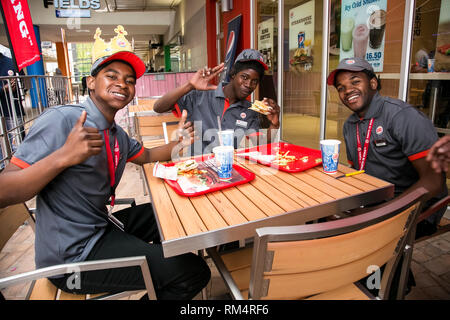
(190, 22)
(195, 40)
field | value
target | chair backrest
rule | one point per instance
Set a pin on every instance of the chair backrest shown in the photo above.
(302, 261)
(434, 208)
(151, 126)
(11, 218)
(169, 129)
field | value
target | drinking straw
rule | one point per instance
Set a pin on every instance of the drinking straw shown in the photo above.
(220, 129)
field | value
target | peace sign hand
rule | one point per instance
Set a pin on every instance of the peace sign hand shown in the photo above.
(202, 78)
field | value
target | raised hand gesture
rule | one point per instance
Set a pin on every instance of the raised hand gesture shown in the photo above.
(202, 78)
(439, 155)
(82, 142)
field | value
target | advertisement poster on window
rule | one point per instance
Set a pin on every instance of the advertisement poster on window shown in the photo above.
(363, 25)
(266, 41)
(442, 55)
(301, 36)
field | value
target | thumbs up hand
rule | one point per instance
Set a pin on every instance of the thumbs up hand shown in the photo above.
(185, 131)
(82, 142)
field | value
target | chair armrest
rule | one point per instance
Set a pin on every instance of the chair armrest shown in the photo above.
(139, 261)
(435, 207)
(129, 201)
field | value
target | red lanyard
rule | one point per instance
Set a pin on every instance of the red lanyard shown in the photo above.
(225, 106)
(112, 163)
(362, 154)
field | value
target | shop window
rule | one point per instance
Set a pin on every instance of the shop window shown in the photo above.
(429, 81)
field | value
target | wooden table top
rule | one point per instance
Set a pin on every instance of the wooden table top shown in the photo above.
(273, 198)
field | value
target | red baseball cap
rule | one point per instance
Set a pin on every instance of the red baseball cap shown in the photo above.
(136, 63)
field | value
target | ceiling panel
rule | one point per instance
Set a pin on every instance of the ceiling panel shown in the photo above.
(141, 34)
(140, 5)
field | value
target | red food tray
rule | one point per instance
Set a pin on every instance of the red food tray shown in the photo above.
(206, 180)
(314, 156)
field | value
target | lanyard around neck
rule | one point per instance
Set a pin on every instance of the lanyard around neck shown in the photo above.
(112, 163)
(225, 106)
(362, 153)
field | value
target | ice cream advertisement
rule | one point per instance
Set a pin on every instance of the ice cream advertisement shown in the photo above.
(301, 36)
(363, 25)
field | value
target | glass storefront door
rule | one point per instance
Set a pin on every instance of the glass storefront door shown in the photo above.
(429, 86)
(301, 72)
(266, 35)
(372, 29)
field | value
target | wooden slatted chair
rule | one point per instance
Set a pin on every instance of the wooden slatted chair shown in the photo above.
(325, 260)
(12, 217)
(150, 132)
(149, 128)
(169, 130)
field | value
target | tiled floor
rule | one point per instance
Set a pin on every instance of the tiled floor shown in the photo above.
(430, 265)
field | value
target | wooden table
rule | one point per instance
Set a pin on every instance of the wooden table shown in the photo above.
(273, 198)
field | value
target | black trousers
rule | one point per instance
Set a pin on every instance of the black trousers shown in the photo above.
(175, 278)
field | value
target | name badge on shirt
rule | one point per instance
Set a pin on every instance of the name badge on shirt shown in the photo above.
(380, 142)
(241, 123)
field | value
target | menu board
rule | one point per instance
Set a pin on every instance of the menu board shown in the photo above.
(301, 36)
(266, 40)
(363, 24)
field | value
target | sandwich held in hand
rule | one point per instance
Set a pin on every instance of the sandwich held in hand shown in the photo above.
(260, 107)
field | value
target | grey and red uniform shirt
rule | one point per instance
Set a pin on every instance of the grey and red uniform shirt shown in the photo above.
(400, 134)
(203, 108)
(71, 213)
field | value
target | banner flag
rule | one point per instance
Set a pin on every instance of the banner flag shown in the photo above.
(21, 32)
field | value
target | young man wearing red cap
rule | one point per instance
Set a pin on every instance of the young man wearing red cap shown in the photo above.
(73, 158)
(387, 137)
(206, 102)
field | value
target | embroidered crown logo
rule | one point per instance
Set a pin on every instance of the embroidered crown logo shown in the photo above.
(116, 44)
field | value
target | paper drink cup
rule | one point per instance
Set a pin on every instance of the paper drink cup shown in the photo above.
(330, 155)
(224, 161)
(227, 137)
(431, 65)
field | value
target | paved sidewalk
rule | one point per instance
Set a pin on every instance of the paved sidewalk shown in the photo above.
(430, 265)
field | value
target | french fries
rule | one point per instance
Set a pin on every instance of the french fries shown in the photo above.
(283, 159)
